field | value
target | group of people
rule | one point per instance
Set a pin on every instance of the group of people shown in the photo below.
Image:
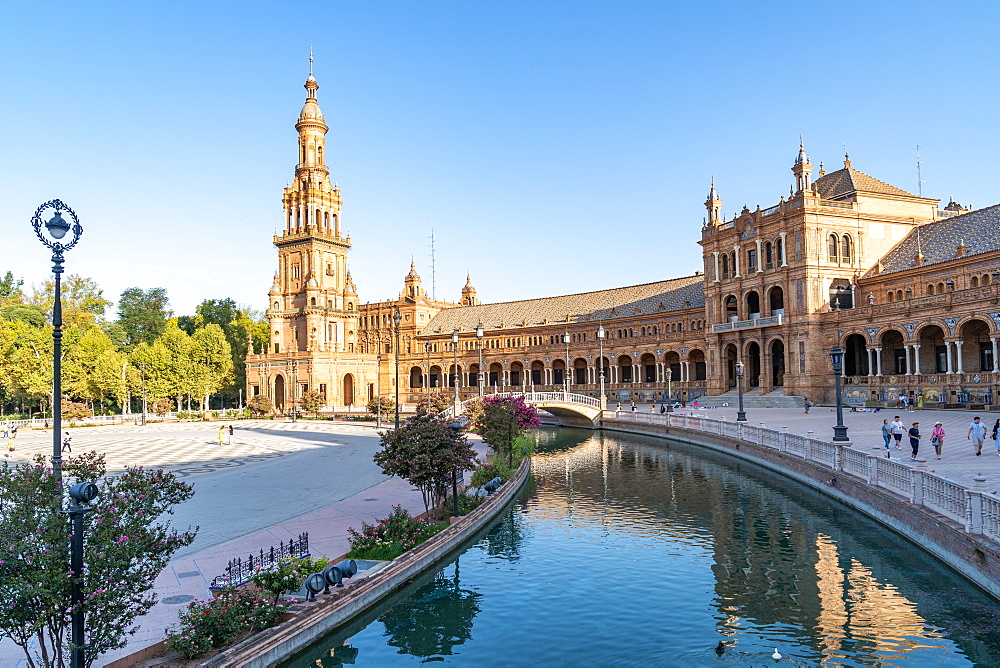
(893, 432)
(226, 435)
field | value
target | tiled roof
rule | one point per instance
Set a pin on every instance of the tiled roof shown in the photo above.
(642, 300)
(848, 180)
(979, 230)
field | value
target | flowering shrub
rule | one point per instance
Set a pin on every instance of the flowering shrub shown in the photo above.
(501, 421)
(217, 622)
(288, 576)
(390, 537)
(129, 540)
(487, 472)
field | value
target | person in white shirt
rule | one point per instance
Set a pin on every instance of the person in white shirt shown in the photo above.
(977, 434)
(897, 428)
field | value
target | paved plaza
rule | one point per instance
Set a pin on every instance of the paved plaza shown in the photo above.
(278, 479)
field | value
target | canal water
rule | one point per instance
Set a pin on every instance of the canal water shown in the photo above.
(630, 551)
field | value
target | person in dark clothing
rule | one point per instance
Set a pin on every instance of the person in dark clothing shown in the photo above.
(914, 434)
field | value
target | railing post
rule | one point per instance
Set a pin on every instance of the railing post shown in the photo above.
(871, 466)
(974, 510)
(917, 487)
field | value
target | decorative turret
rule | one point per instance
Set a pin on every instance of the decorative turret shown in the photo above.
(469, 293)
(349, 288)
(413, 289)
(714, 206)
(312, 139)
(802, 169)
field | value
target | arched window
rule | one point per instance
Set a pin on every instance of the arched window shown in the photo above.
(899, 295)
(725, 266)
(891, 297)
(930, 289)
(780, 251)
(312, 301)
(732, 262)
(768, 256)
(845, 248)
(832, 246)
(974, 282)
(275, 306)
(940, 289)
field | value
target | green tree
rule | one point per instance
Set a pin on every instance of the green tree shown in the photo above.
(213, 360)
(129, 542)
(388, 405)
(25, 361)
(311, 401)
(143, 314)
(29, 313)
(10, 289)
(83, 301)
(425, 452)
(501, 420)
(92, 367)
(260, 405)
(435, 403)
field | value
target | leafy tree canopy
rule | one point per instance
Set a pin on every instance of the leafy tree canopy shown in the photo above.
(29, 313)
(83, 302)
(143, 314)
(10, 288)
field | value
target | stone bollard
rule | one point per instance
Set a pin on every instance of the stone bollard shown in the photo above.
(979, 481)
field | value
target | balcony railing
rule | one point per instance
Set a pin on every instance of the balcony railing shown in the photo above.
(753, 323)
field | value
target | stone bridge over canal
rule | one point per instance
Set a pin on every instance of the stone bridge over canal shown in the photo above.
(567, 407)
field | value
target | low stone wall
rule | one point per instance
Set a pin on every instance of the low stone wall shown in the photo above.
(973, 555)
(272, 645)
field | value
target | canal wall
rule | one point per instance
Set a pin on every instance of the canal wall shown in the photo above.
(959, 526)
(275, 644)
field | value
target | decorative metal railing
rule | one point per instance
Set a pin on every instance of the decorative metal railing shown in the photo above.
(977, 510)
(239, 572)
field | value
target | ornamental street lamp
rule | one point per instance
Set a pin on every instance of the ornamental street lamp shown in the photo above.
(741, 415)
(454, 377)
(427, 390)
(455, 428)
(396, 319)
(83, 492)
(295, 388)
(143, 368)
(837, 360)
(670, 394)
(479, 340)
(57, 228)
(566, 380)
(378, 390)
(600, 361)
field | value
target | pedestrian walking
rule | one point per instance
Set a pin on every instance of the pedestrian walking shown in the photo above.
(66, 446)
(6, 429)
(914, 434)
(809, 405)
(10, 446)
(904, 402)
(652, 408)
(230, 442)
(937, 438)
(633, 407)
(897, 432)
(996, 441)
(886, 435)
(222, 435)
(13, 431)
(977, 434)
(663, 409)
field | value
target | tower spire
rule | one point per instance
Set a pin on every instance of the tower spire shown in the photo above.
(310, 60)
(802, 169)
(714, 205)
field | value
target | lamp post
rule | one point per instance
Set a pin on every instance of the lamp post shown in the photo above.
(600, 361)
(378, 390)
(454, 366)
(57, 228)
(295, 387)
(741, 415)
(479, 341)
(566, 380)
(670, 394)
(427, 390)
(455, 427)
(143, 368)
(837, 360)
(396, 319)
(81, 493)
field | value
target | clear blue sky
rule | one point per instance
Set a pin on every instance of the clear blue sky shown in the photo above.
(553, 147)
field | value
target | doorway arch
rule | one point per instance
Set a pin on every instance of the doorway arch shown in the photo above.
(778, 363)
(279, 392)
(348, 390)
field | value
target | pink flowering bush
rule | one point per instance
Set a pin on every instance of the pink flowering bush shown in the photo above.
(221, 621)
(128, 542)
(502, 421)
(391, 537)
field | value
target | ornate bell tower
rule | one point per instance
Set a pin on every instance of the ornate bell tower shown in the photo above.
(313, 306)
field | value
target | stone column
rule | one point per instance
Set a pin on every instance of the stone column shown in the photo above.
(947, 357)
(916, 359)
(686, 370)
(716, 254)
(737, 263)
(958, 357)
(760, 260)
(871, 360)
(906, 352)
(784, 250)
(878, 361)
(994, 342)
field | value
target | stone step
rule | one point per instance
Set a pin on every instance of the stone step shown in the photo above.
(753, 400)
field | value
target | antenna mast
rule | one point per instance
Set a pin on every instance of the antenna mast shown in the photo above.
(920, 182)
(433, 274)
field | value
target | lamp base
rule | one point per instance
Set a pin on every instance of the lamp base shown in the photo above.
(840, 433)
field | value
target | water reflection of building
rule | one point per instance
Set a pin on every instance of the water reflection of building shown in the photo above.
(770, 565)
